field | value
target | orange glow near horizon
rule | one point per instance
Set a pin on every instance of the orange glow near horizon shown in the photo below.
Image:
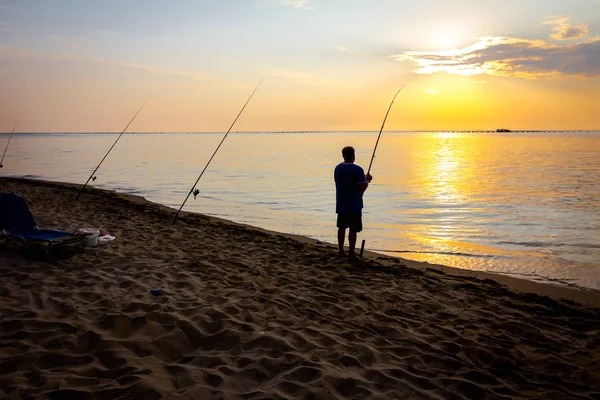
(438, 102)
(70, 99)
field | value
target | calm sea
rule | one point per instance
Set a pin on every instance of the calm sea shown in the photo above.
(522, 204)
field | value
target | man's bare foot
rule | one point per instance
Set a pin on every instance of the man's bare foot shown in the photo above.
(343, 254)
(352, 257)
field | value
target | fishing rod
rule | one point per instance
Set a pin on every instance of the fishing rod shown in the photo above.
(362, 245)
(92, 177)
(10, 137)
(381, 130)
(195, 192)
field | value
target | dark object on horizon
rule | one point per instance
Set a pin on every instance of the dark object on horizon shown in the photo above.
(381, 130)
(211, 157)
(17, 222)
(499, 130)
(6, 148)
(109, 150)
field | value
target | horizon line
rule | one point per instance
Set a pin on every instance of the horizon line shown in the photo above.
(306, 131)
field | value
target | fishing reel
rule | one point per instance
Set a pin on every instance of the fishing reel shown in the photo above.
(93, 179)
(196, 192)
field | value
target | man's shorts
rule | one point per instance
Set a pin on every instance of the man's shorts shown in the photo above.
(352, 221)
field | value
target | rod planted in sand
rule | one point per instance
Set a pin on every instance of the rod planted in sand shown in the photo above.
(92, 177)
(6, 148)
(382, 125)
(217, 149)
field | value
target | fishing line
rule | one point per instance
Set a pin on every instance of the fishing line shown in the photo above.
(9, 138)
(195, 192)
(92, 177)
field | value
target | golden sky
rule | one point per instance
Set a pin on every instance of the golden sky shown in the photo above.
(72, 66)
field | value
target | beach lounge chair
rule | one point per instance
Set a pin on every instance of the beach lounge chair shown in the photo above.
(17, 222)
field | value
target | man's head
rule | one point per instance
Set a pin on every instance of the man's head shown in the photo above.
(348, 154)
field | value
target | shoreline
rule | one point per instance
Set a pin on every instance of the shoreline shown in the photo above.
(249, 313)
(579, 294)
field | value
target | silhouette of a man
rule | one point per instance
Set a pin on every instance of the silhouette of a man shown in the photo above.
(350, 184)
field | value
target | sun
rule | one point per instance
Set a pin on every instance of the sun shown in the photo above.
(447, 37)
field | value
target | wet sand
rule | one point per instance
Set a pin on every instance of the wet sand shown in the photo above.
(248, 313)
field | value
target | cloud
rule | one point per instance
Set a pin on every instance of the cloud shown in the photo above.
(502, 56)
(7, 7)
(432, 91)
(565, 31)
(189, 75)
(8, 52)
(293, 3)
(306, 78)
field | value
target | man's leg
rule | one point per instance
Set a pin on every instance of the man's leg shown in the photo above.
(351, 243)
(341, 238)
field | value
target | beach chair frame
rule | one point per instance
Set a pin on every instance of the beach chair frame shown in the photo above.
(34, 239)
(34, 245)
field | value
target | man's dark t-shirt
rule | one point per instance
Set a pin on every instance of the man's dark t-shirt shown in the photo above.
(349, 197)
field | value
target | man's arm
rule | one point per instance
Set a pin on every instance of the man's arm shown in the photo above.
(364, 185)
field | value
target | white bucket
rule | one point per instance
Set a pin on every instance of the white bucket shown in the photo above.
(91, 235)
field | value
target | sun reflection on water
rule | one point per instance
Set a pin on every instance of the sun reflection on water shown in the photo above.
(447, 175)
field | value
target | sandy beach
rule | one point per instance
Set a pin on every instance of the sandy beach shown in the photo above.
(251, 314)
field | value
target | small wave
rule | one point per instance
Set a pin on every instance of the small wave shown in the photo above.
(547, 244)
(445, 253)
(530, 244)
(126, 190)
(209, 198)
(586, 245)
